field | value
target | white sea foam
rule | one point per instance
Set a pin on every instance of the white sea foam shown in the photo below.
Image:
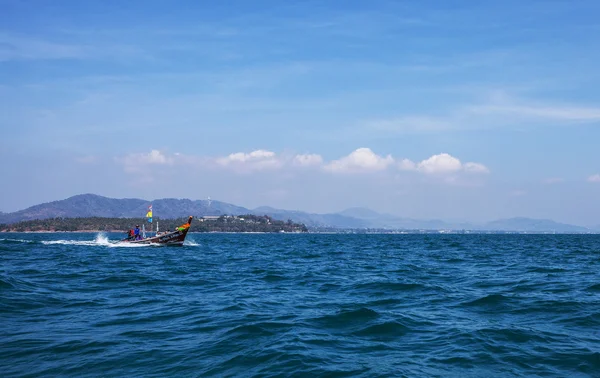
(121, 244)
(18, 240)
(190, 243)
(69, 242)
(101, 240)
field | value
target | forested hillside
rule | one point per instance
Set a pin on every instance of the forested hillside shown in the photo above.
(245, 223)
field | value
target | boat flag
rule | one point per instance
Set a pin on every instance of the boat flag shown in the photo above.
(149, 214)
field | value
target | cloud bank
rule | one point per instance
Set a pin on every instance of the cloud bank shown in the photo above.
(360, 161)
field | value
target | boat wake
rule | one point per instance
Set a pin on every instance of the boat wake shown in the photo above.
(100, 240)
(17, 241)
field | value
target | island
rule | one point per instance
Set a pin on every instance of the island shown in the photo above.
(221, 223)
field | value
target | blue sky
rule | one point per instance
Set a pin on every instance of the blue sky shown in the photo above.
(453, 110)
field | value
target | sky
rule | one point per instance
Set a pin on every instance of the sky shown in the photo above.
(454, 110)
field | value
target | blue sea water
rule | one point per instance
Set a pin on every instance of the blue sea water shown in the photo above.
(301, 305)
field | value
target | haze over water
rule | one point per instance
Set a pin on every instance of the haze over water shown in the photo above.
(301, 305)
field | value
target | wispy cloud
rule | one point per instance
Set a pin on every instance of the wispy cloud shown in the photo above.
(594, 178)
(20, 47)
(497, 112)
(145, 168)
(14, 47)
(541, 112)
(140, 162)
(475, 168)
(553, 180)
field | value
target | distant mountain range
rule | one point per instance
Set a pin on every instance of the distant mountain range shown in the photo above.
(91, 205)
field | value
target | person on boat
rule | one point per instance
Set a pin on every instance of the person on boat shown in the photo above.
(136, 233)
(130, 234)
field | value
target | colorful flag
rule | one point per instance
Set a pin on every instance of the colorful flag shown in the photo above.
(149, 214)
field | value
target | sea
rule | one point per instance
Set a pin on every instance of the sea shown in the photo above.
(300, 305)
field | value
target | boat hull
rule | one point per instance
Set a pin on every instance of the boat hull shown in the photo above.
(176, 237)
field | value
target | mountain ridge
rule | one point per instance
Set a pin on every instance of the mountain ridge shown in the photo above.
(88, 205)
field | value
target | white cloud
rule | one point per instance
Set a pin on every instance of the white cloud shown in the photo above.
(307, 160)
(475, 168)
(407, 165)
(137, 165)
(138, 161)
(155, 157)
(594, 178)
(252, 156)
(441, 163)
(360, 160)
(253, 161)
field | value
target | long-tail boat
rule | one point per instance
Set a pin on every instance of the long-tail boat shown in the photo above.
(176, 237)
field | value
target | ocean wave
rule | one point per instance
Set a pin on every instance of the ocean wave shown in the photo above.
(385, 330)
(258, 329)
(594, 288)
(545, 269)
(271, 277)
(347, 317)
(490, 300)
(388, 287)
(6, 284)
